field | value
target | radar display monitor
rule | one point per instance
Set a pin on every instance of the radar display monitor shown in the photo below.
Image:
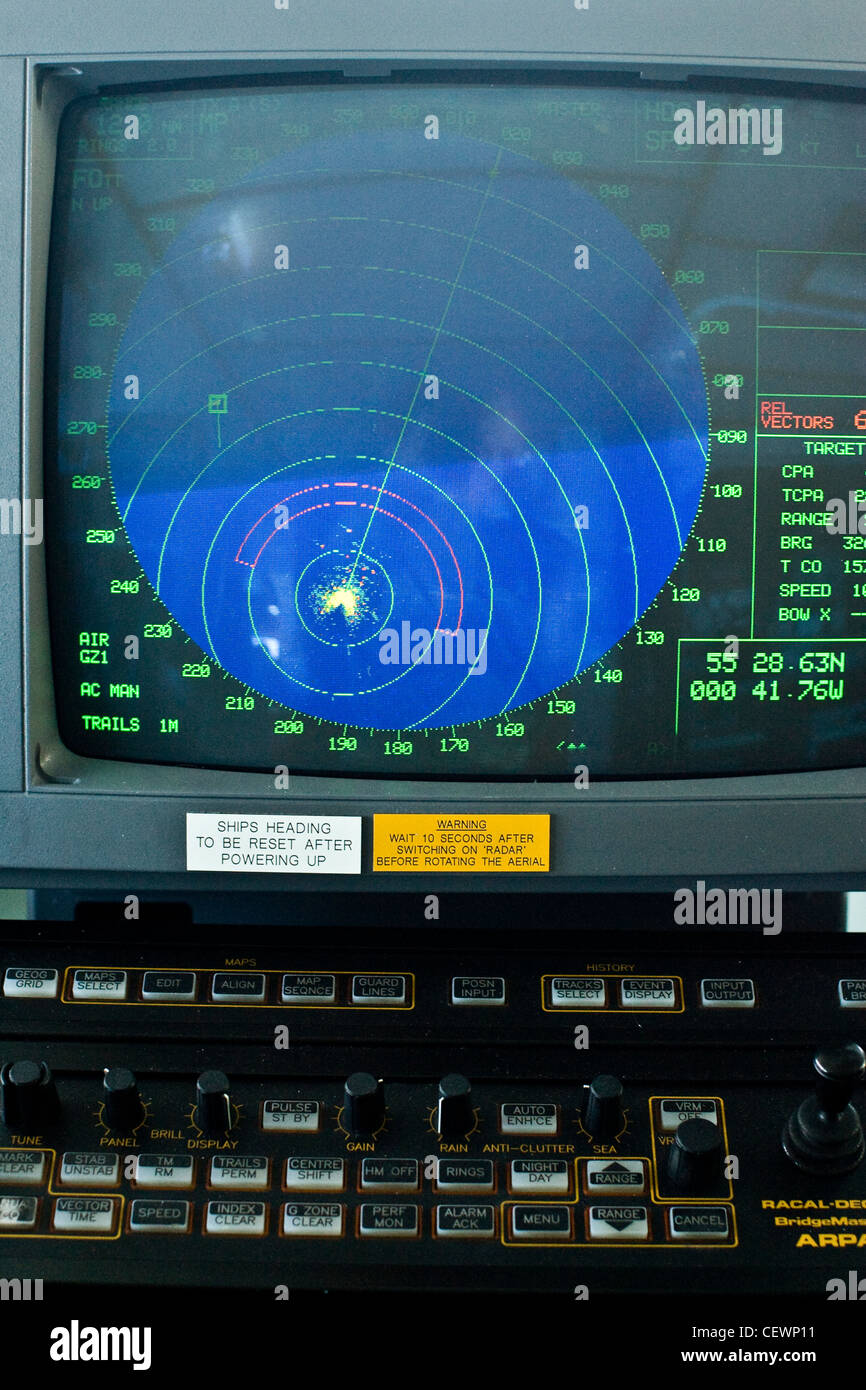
(465, 429)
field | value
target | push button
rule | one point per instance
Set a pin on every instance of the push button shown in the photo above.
(238, 987)
(610, 1178)
(478, 989)
(308, 989)
(389, 1174)
(158, 1214)
(106, 985)
(618, 1223)
(673, 1112)
(546, 1177)
(852, 994)
(30, 982)
(314, 1174)
(528, 1117)
(233, 1170)
(165, 1170)
(577, 992)
(698, 1223)
(728, 994)
(388, 1219)
(168, 987)
(22, 1167)
(464, 1175)
(466, 1220)
(313, 1219)
(90, 1169)
(89, 1216)
(379, 989)
(541, 1223)
(237, 1218)
(647, 994)
(18, 1213)
(291, 1116)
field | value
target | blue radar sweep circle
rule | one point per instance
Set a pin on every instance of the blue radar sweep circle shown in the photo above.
(390, 446)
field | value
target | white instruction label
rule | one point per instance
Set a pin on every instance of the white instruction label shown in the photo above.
(273, 844)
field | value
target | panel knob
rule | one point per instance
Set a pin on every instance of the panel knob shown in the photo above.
(603, 1115)
(824, 1135)
(121, 1104)
(213, 1109)
(29, 1096)
(455, 1114)
(363, 1103)
(695, 1157)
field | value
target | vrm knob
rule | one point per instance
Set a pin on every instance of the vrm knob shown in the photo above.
(455, 1114)
(824, 1135)
(363, 1103)
(603, 1115)
(695, 1157)
(121, 1104)
(29, 1096)
(213, 1107)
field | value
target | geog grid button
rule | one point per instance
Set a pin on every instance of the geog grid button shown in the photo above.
(313, 1219)
(541, 1223)
(647, 993)
(238, 987)
(94, 1216)
(548, 1177)
(235, 1170)
(308, 989)
(478, 989)
(22, 1167)
(618, 1223)
(528, 1117)
(577, 992)
(158, 1214)
(728, 994)
(698, 1223)
(165, 1170)
(291, 1116)
(852, 994)
(465, 1219)
(379, 989)
(673, 1112)
(168, 986)
(18, 1213)
(108, 985)
(30, 982)
(235, 1218)
(90, 1169)
(388, 1219)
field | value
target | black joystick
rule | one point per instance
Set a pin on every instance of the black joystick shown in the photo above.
(824, 1135)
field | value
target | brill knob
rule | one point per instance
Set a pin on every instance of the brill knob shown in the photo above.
(824, 1135)
(213, 1108)
(603, 1115)
(363, 1103)
(455, 1114)
(29, 1096)
(695, 1157)
(121, 1104)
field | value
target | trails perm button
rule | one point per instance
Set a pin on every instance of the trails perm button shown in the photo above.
(698, 1223)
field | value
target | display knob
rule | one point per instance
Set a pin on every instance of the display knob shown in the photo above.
(603, 1115)
(121, 1104)
(695, 1157)
(363, 1103)
(824, 1135)
(213, 1107)
(29, 1096)
(455, 1114)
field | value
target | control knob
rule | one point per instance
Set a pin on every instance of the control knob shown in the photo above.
(29, 1096)
(695, 1157)
(363, 1103)
(603, 1115)
(455, 1114)
(213, 1108)
(121, 1104)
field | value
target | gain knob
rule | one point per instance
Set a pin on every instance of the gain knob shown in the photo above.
(695, 1157)
(363, 1103)
(455, 1115)
(213, 1107)
(824, 1135)
(603, 1116)
(29, 1096)
(121, 1104)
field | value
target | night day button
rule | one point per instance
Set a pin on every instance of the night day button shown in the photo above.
(548, 1177)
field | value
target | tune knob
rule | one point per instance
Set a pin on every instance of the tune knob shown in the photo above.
(29, 1096)
(603, 1115)
(455, 1114)
(213, 1107)
(121, 1104)
(695, 1157)
(824, 1135)
(363, 1103)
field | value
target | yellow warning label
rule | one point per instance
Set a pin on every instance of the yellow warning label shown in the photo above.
(461, 844)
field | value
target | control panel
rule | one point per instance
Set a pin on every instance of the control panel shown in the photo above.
(606, 1115)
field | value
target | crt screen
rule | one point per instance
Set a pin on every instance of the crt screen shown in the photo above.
(459, 430)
